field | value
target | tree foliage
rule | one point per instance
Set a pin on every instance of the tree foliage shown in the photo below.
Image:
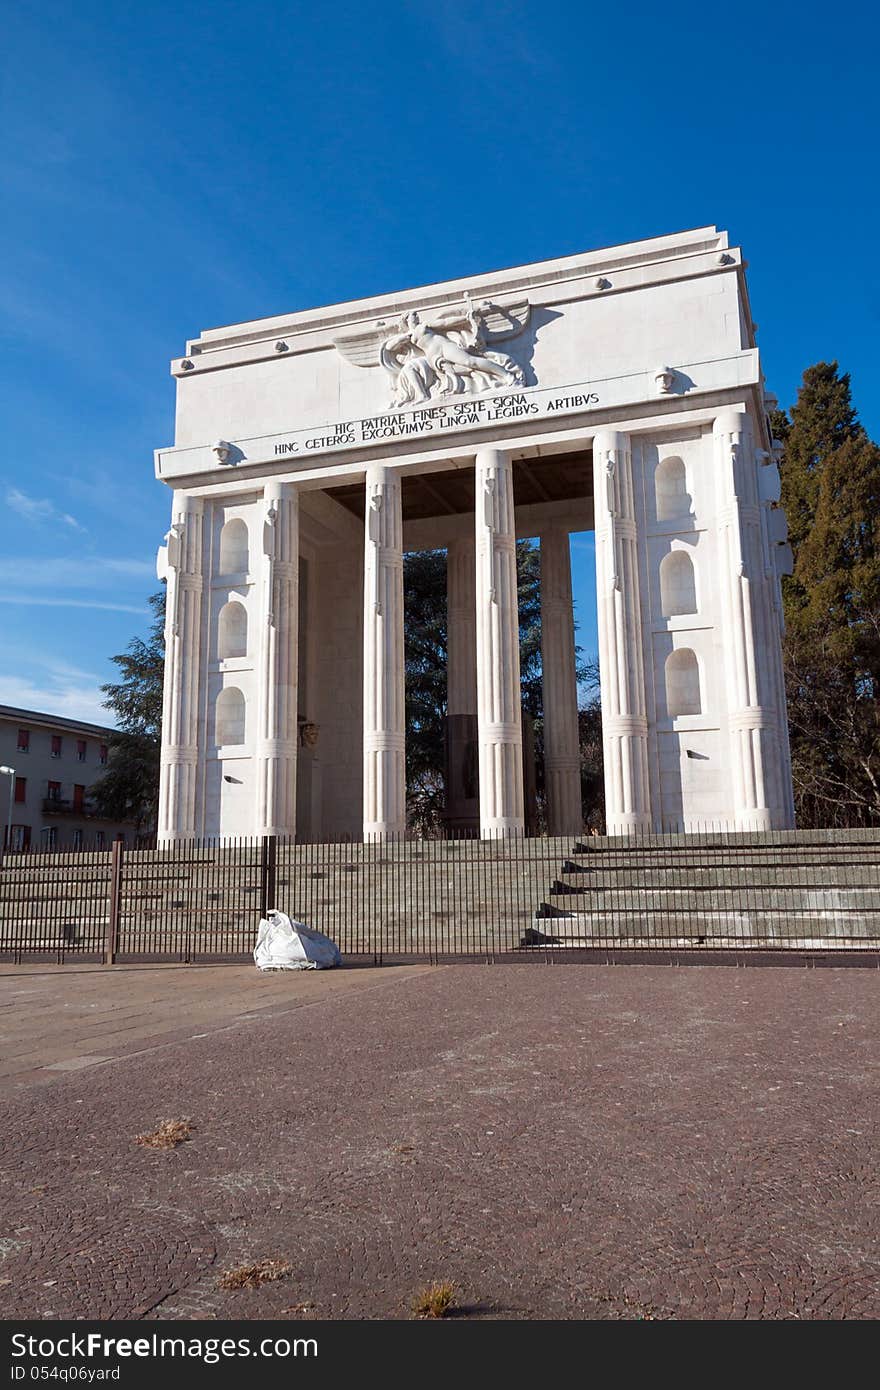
(425, 636)
(129, 789)
(831, 493)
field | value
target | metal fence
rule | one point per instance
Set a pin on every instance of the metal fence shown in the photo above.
(743, 896)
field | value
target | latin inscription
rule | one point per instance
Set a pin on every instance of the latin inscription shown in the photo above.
(436, 419)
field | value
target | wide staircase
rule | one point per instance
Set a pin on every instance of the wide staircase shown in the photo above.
(806, 890)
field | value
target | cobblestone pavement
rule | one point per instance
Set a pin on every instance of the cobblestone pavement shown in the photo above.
(561, 1141)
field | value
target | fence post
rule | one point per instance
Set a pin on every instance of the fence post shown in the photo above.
(112, 941)
(268, 859)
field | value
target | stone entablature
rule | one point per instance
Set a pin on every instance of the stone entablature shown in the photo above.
(637, 365)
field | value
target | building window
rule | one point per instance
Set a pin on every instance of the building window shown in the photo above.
(99, 840)
(53, 791)
(80, 750)
(21, 789)
(56, 745)
(79, 798)
(102, 755)
(50, 837)
(21, 837)
(24, 740)
(77, 839)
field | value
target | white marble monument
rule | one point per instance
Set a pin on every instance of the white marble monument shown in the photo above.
(619, 390)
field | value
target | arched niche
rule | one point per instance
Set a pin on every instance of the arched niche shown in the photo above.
(229, 716)
(234, 547)
(232, 630)
(678, 584)
(670, 489)
(683, 683)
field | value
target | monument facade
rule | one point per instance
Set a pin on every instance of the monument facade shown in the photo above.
(618, 391)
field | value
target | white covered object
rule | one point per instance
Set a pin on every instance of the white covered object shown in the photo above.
(286, 945)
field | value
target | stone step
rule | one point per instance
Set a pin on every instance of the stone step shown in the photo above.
(670, 841)
(683, 905)
(716, 928)
(711, 878)
(716, 855)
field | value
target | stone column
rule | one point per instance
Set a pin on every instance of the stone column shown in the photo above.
(499, 718)
(180, 563)
(276, 750)
(751, 725)
(562, 764)
(384, 766)
(462, 793)
(621, 659)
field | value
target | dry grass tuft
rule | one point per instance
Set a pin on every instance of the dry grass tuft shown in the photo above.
(435, 1300)
(169, 1134)
(252, 1276)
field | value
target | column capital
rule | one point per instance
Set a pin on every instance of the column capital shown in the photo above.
(492, 457)
(274, 490)
(187, 505)
(611, 442)
(731, 422)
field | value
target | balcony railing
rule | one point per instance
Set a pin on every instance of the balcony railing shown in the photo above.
(62, 806)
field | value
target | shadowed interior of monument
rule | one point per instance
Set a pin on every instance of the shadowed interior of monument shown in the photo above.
(558, 477)
(438, 511)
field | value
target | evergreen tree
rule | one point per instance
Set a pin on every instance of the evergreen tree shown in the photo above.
(821, 421)
(831, 493)
(591, 749)
(129, 789)
(424, 600)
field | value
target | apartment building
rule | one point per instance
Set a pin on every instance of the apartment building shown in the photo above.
(45, 800)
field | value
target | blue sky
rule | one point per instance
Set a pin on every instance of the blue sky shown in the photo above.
(168, 168)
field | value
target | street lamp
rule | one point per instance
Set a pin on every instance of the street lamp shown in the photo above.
(10, 773)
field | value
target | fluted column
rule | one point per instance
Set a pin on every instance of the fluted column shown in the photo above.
(562, 764)
(276, 751)
(499, 718)
(753, 736)
(621, 660)
(462, 800)
(384, 766)
(180, 563)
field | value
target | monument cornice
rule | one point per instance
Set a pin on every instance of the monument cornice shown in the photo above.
(662, 260)
(454, 425)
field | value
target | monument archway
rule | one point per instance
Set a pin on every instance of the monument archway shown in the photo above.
(619, 391)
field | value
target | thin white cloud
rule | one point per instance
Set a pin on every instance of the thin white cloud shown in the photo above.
(16, 599)
(39, 510)
(76, 700)
(62, 572)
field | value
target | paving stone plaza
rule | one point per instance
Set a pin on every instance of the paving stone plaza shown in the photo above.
(574, 1141)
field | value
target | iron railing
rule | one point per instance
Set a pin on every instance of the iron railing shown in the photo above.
(742, 896)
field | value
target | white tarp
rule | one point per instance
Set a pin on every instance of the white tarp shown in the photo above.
(286, 945)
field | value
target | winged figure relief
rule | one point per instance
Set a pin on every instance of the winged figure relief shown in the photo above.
(441, 352)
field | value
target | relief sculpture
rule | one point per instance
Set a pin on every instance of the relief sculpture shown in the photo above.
(442, 352)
